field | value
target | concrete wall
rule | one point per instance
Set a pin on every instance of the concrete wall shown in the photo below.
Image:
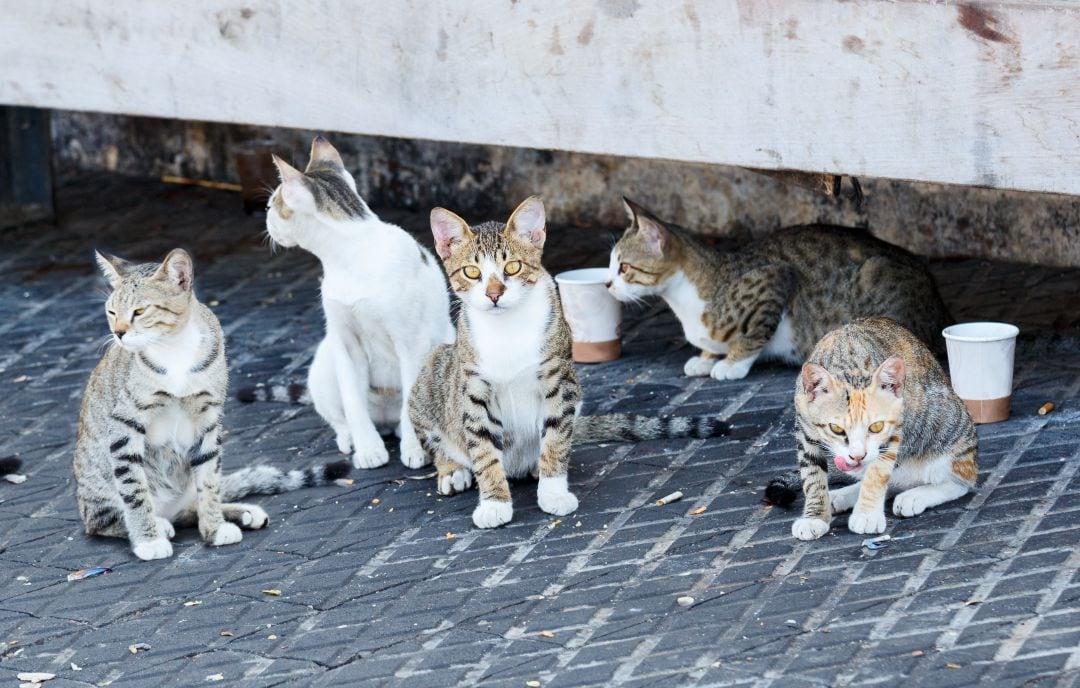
(583, 190)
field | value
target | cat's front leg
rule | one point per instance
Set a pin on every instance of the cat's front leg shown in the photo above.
(760, 297)
(562, 395)
(351, 367)
(868, 516)
(206, 466)
(815, 483)
(700, 365)
(483, 435)
(128, 453)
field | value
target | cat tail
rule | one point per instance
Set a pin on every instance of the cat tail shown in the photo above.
(626, 427)
(10, 465)
(288, 394)
(784, 488)
(270, 480)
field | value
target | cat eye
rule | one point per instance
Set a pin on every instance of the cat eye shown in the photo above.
(471, 271)
(112, 314)
(837, 430)
(137, 312)
(512, 268)
(877, 427)
(624, 268)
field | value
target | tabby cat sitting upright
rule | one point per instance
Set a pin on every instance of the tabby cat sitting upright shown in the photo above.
(776, 297)
(503, 400)
(874, 402)
(385, 302)
(148, 445)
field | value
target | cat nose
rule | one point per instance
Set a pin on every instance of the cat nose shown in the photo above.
(494, 296)
(608, 284)
(857, 457)
(120, 334)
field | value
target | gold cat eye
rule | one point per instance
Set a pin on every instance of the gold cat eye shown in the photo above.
(877, 427)
(138, 311)
(471, 271)
(624, 268)
(836, 429)
(512, 268)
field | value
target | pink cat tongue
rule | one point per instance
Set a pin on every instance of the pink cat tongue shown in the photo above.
(842, 464)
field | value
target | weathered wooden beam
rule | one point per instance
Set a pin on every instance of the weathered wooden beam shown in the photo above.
(983, 94)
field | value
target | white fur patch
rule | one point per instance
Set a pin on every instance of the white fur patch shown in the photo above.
(554, 497)
(867, 522)
(492, 514)
(781, 346)
(732, 370)
(681, 294)
(809, 528)
(227, 534)
(160, 548)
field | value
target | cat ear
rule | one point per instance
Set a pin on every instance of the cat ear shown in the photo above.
(177, 269)
(112, 267)
(890, 375)
(631, 209)
(323, 152)
(528, 221)
(448, 229)
(653, 232)
(287, 172)
(815, 381)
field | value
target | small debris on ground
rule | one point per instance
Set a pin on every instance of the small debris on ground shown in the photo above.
(532, 684)
(136, 648)
(75, 667)
(422, 477)
(273, 592)
(226, 634)
(15, 478)
(882, 541)
(33, 677)
(685, 601)
(953, 665)
(344, 482)
(215, 677)
(554, 523)
(451, 536)
(699, 511)
(673, 497)
(375, 501)
(271, 637)
(547, 634)
(917, 653)
(87, 573)
(193, 603)
(1046, 408)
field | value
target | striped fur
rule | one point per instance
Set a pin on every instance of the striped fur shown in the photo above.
(874, 408)
(291, 393)
(621, 427)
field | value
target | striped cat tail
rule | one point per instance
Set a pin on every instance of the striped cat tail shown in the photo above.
(270, 480)
(784, 488)
(286, 394)
(626, 427)
(10, 465)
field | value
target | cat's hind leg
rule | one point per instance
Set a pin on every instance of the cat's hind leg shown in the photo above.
(326, 396)
(247, 516)
(844, 498)
(949, 479)
(453, 477)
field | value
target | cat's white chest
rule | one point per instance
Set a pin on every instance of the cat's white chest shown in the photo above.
(173, 427)
(689, 308)
(178, 356)
(508, 344)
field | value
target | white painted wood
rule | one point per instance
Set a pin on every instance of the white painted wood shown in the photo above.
(866, 87)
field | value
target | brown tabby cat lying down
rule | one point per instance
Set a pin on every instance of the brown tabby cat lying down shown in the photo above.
(775, 297)
(874, 402)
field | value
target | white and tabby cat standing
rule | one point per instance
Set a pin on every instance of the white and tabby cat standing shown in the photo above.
(385, 302)
(148, 445)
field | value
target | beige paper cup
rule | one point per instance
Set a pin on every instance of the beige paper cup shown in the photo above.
(981, 367)
(593, 314)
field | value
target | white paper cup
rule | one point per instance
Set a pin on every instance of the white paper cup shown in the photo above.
(981, 367)
(593, 314)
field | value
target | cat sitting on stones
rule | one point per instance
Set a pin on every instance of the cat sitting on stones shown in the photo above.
(148, 446)
(774, 297)
(873, 403)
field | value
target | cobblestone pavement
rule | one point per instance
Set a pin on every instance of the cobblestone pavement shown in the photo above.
(385, 583)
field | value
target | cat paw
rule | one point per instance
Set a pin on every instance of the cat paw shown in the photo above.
(254, 518)
(227, 534)
(159, 548)
(907, 504)
(840, 502)
(166, 527)
(413, 455)
(458, 481)
(809, 528)
(866, 522)
(492, 514)
(344, 442)
(698, 367)
(553, 498)
(371, 456)
(726, 370)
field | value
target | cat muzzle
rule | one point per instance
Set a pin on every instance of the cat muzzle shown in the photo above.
(846, 464)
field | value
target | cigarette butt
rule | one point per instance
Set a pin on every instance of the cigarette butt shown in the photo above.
(953, 665)
(685, 601)
(547, 634)
(917, 653)
(450, 536)
(673, 497)
(1046, 408)
(698, 511)
(273, 592)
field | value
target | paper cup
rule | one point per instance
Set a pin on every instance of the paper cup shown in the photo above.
(594, 316)
(981, 367)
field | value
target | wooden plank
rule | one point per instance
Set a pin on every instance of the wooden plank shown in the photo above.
(984, 95)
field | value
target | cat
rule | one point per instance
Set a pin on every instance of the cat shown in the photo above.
(148, 444)
(384, 298)
(775, 297)
(873, 401)
(503, 399)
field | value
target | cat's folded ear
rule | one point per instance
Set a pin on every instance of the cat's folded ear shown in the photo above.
(815, 381)
(529, 221)
(112, 267)
(890, 375)
(448, 229)
(323, 152)
(653, 233)
(178, 269)
(287, 172)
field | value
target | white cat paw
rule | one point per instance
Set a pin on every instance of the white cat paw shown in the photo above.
(557, 503)
(907, 504)
(458, 481)
(840, 501)
(371, 456)
(227, 534)
(698, 366)
(413, 455)
(253, 518)
(344, 442)
(159, 548)
(166, 527)
(866, 522)
(492, 514)
(725, 370)
(809, 528)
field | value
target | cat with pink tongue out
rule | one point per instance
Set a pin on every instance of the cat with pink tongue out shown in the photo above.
(873, 399)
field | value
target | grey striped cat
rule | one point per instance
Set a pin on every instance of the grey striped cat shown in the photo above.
(502, 401)
(774, 297)
(874, 403)
(148, 445)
